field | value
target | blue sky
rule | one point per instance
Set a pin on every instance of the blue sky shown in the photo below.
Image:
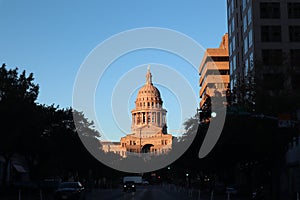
(52, 39)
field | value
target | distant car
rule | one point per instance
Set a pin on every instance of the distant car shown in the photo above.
(70, 190)
(129, 186)
(145, 182)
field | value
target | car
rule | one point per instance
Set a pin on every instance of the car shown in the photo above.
(231, 190)
(144, 182)
(70, 190)
(129, 186)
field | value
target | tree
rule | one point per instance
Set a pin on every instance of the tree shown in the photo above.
(45, 135)
(18, 94)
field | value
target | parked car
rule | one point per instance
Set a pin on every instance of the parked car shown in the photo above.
(129, 186)
(70, 190)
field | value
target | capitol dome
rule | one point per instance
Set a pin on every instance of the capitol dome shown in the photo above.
(148, 95)
(149, 125)
(148, 106)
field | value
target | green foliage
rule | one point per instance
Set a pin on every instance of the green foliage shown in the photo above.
(15, 88)
(45, 135)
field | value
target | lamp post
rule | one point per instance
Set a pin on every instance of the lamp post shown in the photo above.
(140, 140)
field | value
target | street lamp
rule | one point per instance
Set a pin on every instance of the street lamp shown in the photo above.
(140, 140)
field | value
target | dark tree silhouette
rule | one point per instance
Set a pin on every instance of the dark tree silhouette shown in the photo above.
(45, 135)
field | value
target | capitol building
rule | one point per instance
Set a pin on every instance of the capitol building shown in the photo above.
(148, 127)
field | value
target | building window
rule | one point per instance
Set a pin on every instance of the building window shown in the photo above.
(294, 33)
(295, 55)
(244, 4)
(229, 7)
(139, 119)
(245, 45)
(273, 81)
(296, 81)
(233, 43)
(246, 67)
(272, 56)
(271, 33)
(251, 61)
(245, 23)
(230, 48)
(249, 15)
(250, 38)
(232, 25)
(234, 63)
(294, 10)
(269, 10)
(230, 67)
(164, 142)
(220, 58)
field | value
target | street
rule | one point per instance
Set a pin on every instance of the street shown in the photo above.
(149, 192)
(167, 192)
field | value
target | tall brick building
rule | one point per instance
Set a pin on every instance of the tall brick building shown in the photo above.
(264, 51)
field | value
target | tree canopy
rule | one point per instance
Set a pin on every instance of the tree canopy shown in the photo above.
(45, 135)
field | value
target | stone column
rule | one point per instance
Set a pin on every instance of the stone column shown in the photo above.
(133, 119)
(159, 119)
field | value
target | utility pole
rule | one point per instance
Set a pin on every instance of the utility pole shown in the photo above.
(140, 140)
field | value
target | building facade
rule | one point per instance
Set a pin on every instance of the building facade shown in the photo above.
(264, 50)
(148, 127)
(214, 72)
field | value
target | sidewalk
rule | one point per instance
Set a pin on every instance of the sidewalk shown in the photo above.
(26, 195)
(196, 194)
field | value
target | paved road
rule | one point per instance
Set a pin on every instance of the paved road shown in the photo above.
(142, 193)
(152, 193)
(156, 192)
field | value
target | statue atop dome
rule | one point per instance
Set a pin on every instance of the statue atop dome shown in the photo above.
(149, 76)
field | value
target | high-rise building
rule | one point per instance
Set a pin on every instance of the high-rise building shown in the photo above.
(214, 72)
(264, 52)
